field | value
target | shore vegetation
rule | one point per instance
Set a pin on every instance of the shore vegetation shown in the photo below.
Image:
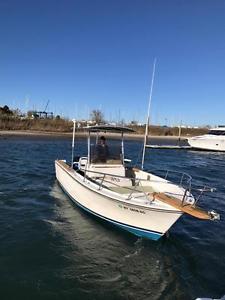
(14, 120)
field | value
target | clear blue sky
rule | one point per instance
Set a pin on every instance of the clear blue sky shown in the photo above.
(83, 55)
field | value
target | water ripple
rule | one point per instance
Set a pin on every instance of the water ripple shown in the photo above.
(50, 249)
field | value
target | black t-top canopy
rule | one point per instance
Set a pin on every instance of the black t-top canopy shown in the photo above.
(110, 128)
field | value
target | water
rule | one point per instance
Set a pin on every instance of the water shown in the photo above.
(50, 249)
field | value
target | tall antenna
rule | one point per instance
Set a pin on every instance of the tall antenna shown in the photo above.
(74, 128)
(148, 116)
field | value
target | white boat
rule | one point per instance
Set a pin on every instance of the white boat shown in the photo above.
(214, 140)
(138, 201)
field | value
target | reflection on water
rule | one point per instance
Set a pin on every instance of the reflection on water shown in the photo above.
(50, 249)
(134, 266)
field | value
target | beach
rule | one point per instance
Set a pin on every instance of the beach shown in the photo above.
(130, 136)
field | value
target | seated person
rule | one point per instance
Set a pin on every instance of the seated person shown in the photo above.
(102, 150)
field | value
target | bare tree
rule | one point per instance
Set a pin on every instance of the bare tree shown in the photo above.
(97, 116)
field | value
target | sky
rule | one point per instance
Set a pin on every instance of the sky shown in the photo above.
(98, 54)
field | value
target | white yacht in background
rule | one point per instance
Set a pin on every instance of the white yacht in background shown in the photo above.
(214, 140)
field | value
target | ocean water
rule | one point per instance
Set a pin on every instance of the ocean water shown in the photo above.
(50, 249)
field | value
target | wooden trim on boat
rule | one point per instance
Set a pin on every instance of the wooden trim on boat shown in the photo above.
(189, 209)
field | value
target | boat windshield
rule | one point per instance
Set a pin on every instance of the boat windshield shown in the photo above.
(105, 155)
(217, 132)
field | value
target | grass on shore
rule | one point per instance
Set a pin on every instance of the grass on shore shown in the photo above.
(56, 125)
(63, 125)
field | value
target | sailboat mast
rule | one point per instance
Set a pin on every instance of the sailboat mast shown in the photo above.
(148, 116)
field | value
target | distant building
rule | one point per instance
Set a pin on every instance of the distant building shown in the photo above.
(81, 123)
(90, 122)
(40, 115)
(44, 115)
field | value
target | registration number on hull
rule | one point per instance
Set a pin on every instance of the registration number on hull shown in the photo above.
(132, 209)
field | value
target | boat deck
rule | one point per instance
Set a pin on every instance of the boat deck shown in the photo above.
(131, 189)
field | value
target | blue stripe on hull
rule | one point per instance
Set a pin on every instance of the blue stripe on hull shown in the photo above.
(152, 235)
(141, 233)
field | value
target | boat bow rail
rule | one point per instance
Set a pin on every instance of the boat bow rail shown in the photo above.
(134, 186)
(171, 175)
(184, 180)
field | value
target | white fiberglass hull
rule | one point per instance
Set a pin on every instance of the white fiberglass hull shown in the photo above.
(141, 220)
(208, 142)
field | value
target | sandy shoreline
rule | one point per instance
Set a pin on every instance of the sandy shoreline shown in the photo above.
(27, 133)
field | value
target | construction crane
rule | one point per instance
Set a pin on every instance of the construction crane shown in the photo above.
(46, 106)
(44, 114)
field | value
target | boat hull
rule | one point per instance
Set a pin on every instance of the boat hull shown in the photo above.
(209, 143)
(141, 221)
